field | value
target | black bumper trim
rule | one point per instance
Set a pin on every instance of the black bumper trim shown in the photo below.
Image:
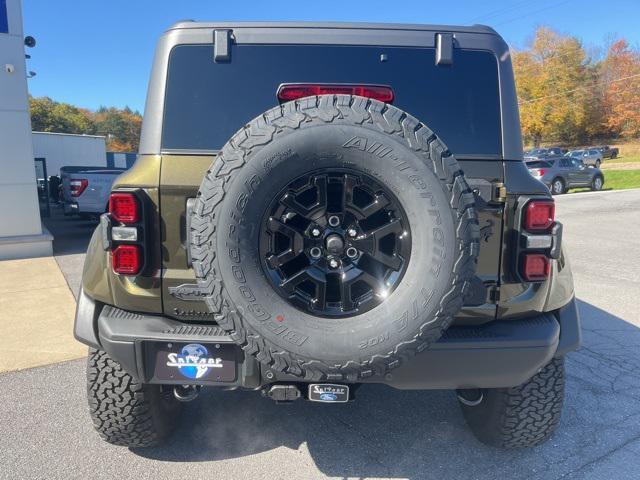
(502, 353)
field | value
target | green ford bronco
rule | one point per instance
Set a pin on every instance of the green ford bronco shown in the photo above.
(318, 206)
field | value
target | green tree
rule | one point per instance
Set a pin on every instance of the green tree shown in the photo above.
(50, 116)
(121, 127)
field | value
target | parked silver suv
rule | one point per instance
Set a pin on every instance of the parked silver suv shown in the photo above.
(560, 174)
(591, 157)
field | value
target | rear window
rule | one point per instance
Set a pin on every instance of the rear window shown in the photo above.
(207, 102)
(538, 164)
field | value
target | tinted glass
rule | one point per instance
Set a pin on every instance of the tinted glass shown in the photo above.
(538, 164)
(207, 102)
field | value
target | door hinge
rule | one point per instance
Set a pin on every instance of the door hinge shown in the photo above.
(444, 48)
(222, 45)
(498, 192)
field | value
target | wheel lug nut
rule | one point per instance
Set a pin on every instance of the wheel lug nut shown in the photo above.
(315, 252)
(334, 221)
(352, 232)
(315, 232)
(352, 252)
(333, 263)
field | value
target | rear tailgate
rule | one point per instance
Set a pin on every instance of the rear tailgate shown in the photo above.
(95, 197)
(206, 102)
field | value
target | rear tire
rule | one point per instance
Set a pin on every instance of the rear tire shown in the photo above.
(124, 411)
(597, 183)
(523, 416)
(557, 186)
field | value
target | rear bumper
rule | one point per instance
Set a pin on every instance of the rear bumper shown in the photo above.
(497, 354)
(70, 208)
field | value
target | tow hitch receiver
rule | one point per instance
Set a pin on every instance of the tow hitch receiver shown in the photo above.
(328, 393)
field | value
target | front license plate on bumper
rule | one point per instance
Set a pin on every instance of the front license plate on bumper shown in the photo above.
(328, 393)
(191, 362)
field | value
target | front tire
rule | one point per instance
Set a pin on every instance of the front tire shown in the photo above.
(523, 416)
(124, 411)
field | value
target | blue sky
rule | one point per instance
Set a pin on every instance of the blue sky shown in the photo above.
(92, 53)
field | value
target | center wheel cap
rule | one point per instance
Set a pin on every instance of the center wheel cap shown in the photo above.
(335, 244)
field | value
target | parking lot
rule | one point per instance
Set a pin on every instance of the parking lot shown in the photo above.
(46, 432)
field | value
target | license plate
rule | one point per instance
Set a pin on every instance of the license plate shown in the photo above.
(328, 393)
(192, 362)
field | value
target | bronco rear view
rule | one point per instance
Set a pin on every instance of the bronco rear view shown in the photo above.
(320, 206)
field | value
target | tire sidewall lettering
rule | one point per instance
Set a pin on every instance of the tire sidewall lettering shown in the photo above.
(251, 194)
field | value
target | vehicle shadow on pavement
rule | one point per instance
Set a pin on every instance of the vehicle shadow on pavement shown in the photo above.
(413, 434)
(71, 234)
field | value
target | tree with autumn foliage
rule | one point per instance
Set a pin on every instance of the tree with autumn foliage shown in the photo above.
(121, 127)
(621, 90)
(50, 116)
(569, 97)
(550, 80)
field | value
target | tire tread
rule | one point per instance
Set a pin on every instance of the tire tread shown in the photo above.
(327, 109)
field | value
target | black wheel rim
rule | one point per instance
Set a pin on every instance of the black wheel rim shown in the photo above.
(335, 243)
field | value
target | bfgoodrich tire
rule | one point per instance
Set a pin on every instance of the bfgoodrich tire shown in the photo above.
(124, 411)
(312, 145)
(523, 416)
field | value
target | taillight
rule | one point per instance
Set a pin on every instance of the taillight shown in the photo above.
(539, 172)
(126, 228)
(124, 207)
(539, 215)
(78, 186)
(539, 239)
(294, 91)
(535, 267)
(127, 259)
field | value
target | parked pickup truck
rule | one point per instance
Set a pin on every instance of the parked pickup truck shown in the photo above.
(86, 192)
(608, 152)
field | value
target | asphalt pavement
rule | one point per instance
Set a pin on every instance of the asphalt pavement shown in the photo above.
(45, 431)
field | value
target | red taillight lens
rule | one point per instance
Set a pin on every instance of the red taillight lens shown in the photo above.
(539, 215)
(541, 172)
(124, 207)
(294, 91)
(535, 267)
(127, 259)
(78, 186)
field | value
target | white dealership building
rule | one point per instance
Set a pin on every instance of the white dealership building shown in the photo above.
(21, 231)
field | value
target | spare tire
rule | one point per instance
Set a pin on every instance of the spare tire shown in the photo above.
(334, 237)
